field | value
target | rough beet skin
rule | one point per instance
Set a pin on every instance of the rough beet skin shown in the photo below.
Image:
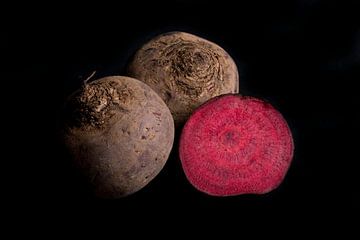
(119, 134)
(185, 70)
(235, 145)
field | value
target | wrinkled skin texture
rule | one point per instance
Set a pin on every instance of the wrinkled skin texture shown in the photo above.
(185, 70)
(119, 133)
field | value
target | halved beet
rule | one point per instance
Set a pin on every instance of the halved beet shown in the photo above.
(236, 145)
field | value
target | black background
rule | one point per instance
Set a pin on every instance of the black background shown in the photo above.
(302, 56)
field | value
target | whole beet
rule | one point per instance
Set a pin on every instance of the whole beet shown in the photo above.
(185, 70)
(119, 134)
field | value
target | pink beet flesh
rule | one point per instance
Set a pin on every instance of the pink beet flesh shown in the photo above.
(236, 145)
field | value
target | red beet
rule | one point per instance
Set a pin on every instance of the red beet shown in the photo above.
(236, 145)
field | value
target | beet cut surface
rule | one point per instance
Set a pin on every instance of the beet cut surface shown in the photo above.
(236, 145)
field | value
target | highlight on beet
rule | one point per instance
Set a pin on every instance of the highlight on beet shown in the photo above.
(234, 145)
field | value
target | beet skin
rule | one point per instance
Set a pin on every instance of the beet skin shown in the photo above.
(119, 134)
(185, 70)
(236, 145)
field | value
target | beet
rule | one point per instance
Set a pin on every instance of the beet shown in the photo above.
(185, 70)
(234, 145)
(119, 134)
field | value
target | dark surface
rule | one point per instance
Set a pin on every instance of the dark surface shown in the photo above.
(302, 56)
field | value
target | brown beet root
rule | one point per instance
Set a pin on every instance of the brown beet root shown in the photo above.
(185, 70)
(119, 133)
(235, 145)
